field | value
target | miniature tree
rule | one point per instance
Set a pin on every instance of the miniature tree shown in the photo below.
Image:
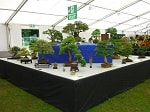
(14, 51)
(116, 48)
(24, 52)
(113, 33)
(104, 50)
(55, 35)
(75, 29)
(141, 51)
(115, 40)
(96, 35)
(68, 45)
(32, 49)
(43, 47)
(126, 49)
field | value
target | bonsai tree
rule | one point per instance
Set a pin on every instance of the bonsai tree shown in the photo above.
(113, 33)
(141, 51)
(104, 50)
(24, 52)
(43, 47)
(96, 35)
(116, 47)
(126, 49)
(14, 51)
(54, 35)
(75, 29)
(68, 45)
(32, 48)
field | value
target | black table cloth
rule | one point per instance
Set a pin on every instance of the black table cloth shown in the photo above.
(75, 95)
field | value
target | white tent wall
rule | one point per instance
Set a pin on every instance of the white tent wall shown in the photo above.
(3, 38)
(15, 35)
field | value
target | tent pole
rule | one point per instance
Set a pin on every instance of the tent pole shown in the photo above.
(8, 35)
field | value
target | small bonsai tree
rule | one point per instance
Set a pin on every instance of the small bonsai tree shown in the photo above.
(43, 47)
(24, 52)
(68, 45)
(54, 35)
(141, 51)
(96, 35)
(116, 47)
(126, 49)
(32, 48)
(104, 50)
(113, 33)
(75, 29)
(14, 51)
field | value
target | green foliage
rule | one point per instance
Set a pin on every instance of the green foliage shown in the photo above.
(113, 33)
(79, 56)
(95, 34)
(75, 29)
(69, 45)
(142, 50)
(32, 48)
(55, 35)
(43, 47)
(116, 46)
(126, 49)
(83, 62)
(24, 52)
(103, 49)
(14, 50)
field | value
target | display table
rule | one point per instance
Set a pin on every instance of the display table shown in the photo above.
(79, 92)
(87, 50)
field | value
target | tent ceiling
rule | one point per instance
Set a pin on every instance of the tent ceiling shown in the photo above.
(125, 15)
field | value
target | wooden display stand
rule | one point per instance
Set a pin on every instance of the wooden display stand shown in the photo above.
(74, 67)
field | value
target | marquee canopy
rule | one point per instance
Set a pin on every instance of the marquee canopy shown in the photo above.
(125, 15)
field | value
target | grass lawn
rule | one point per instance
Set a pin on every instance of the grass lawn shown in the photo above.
(13, 99)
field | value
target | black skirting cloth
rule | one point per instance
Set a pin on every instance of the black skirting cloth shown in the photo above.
(75, 96)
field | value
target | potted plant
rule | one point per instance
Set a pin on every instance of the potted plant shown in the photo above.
(116, 48)
(141, 51)
(96, 35)
(75, 29)
(24, 53)
(32, 48)
(14, 51)
(54, 35)
(104, 50)
(113, 33)
(43, 47)
(68, 45)
(126, 49)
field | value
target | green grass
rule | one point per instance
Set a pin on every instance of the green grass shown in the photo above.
(13, 99)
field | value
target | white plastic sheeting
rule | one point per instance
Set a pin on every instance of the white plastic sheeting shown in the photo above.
(125, 15)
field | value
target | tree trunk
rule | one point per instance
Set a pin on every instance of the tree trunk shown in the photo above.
(76, 34)
(70, 57)
(105, 59)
